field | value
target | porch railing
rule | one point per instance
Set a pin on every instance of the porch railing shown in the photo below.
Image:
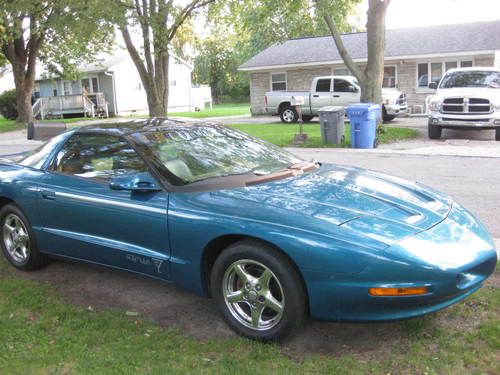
(78, 103)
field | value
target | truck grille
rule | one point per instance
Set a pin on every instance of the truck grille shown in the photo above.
(466, 106)
(402, 99)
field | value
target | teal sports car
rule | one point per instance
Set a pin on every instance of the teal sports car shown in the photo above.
(271, 238)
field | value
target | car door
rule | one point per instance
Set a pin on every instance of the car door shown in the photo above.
(83, 218)
(344, 92)
(322, 95)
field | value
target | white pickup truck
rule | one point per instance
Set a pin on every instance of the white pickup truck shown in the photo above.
(328, 91)
(466, 98)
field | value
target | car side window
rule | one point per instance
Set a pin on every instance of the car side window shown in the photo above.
(323, 85)
(100, 157)
(341, 85)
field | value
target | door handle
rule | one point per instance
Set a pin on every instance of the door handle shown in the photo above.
(315, 96)
(48, 194)
(336, 96)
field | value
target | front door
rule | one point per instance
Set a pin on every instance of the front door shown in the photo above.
(84, 219)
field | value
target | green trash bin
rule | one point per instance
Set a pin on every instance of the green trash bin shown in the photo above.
(332, 123)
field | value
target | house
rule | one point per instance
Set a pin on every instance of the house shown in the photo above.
(112, 86)
(413, 58)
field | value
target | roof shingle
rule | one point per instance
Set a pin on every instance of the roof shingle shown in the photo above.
(478, 36)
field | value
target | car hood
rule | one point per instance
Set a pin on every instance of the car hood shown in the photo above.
(366, 203)
(470, 92)
(391, 94)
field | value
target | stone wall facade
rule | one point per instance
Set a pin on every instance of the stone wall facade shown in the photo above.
(300, 79)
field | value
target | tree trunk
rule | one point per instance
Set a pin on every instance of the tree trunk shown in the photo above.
(371, 77)
(24, 84)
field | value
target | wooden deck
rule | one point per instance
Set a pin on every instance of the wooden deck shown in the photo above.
(90, 105)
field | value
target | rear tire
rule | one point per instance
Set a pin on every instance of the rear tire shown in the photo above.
(497, 134)
(434, 131)
(18, 240)
(258, 291)
(289, 115)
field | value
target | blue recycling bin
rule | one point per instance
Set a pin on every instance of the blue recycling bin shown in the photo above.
(363, 118)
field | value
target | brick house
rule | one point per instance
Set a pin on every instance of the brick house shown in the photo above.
(411, 57)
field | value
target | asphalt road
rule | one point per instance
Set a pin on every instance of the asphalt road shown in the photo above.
(472, 181)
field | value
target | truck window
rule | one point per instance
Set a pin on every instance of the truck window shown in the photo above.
(341, 85)
(323, 85)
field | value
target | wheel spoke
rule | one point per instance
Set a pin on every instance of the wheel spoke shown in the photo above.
(256, 314)
(273, 303)
(243, 275)
(265, 278)
(235, 296)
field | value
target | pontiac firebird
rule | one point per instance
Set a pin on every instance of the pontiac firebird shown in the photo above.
(271, 238)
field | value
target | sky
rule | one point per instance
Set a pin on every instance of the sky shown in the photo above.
(414, 13)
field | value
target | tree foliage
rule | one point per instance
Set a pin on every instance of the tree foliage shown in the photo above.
(59, 33)
(243, 28)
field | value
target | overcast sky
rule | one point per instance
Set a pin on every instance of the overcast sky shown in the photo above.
(411, 13)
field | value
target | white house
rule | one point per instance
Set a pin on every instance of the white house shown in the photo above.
(111, 86)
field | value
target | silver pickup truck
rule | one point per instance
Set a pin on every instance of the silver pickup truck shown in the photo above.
(328, 91)
(465, 98)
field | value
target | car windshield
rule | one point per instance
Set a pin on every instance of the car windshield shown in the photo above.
(194, 153)
(476, 78)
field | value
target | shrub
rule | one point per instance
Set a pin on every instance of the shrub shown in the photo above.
(8, 108)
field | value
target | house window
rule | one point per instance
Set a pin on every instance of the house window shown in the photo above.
(389, 76)
(433, 71)
(67, 89)
(342, 72)
(278, 81)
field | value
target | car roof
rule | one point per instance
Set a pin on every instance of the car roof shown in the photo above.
(140, 125)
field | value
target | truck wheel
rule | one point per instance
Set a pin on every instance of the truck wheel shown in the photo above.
(386, 117)
(289, 115)
(434, 131)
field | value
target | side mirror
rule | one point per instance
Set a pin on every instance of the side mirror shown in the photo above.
(140, 182)
(433, 85)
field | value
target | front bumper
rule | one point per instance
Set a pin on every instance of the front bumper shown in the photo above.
(488, 121)
(452, 259)
(396, 109)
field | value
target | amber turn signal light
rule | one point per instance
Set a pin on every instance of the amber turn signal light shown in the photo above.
(395, 292)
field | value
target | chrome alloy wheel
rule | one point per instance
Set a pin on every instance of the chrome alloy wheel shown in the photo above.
(253, 294)
(16, 238)
(288, 115)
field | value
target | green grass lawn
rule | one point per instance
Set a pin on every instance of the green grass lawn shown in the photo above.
(8, 125)
(42, 334)
(283, 134)
(218, 110)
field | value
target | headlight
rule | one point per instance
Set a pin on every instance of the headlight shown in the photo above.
(435, 105)
(497, 107)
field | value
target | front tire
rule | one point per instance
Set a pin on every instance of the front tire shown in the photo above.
(18, 241)
(289, 115)
(497, 134)
(434, 131)
(386, 117)
(258, 291)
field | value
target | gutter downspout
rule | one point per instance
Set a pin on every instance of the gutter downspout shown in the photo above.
(112, 75)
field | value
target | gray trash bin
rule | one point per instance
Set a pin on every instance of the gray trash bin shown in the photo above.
(331, 120)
